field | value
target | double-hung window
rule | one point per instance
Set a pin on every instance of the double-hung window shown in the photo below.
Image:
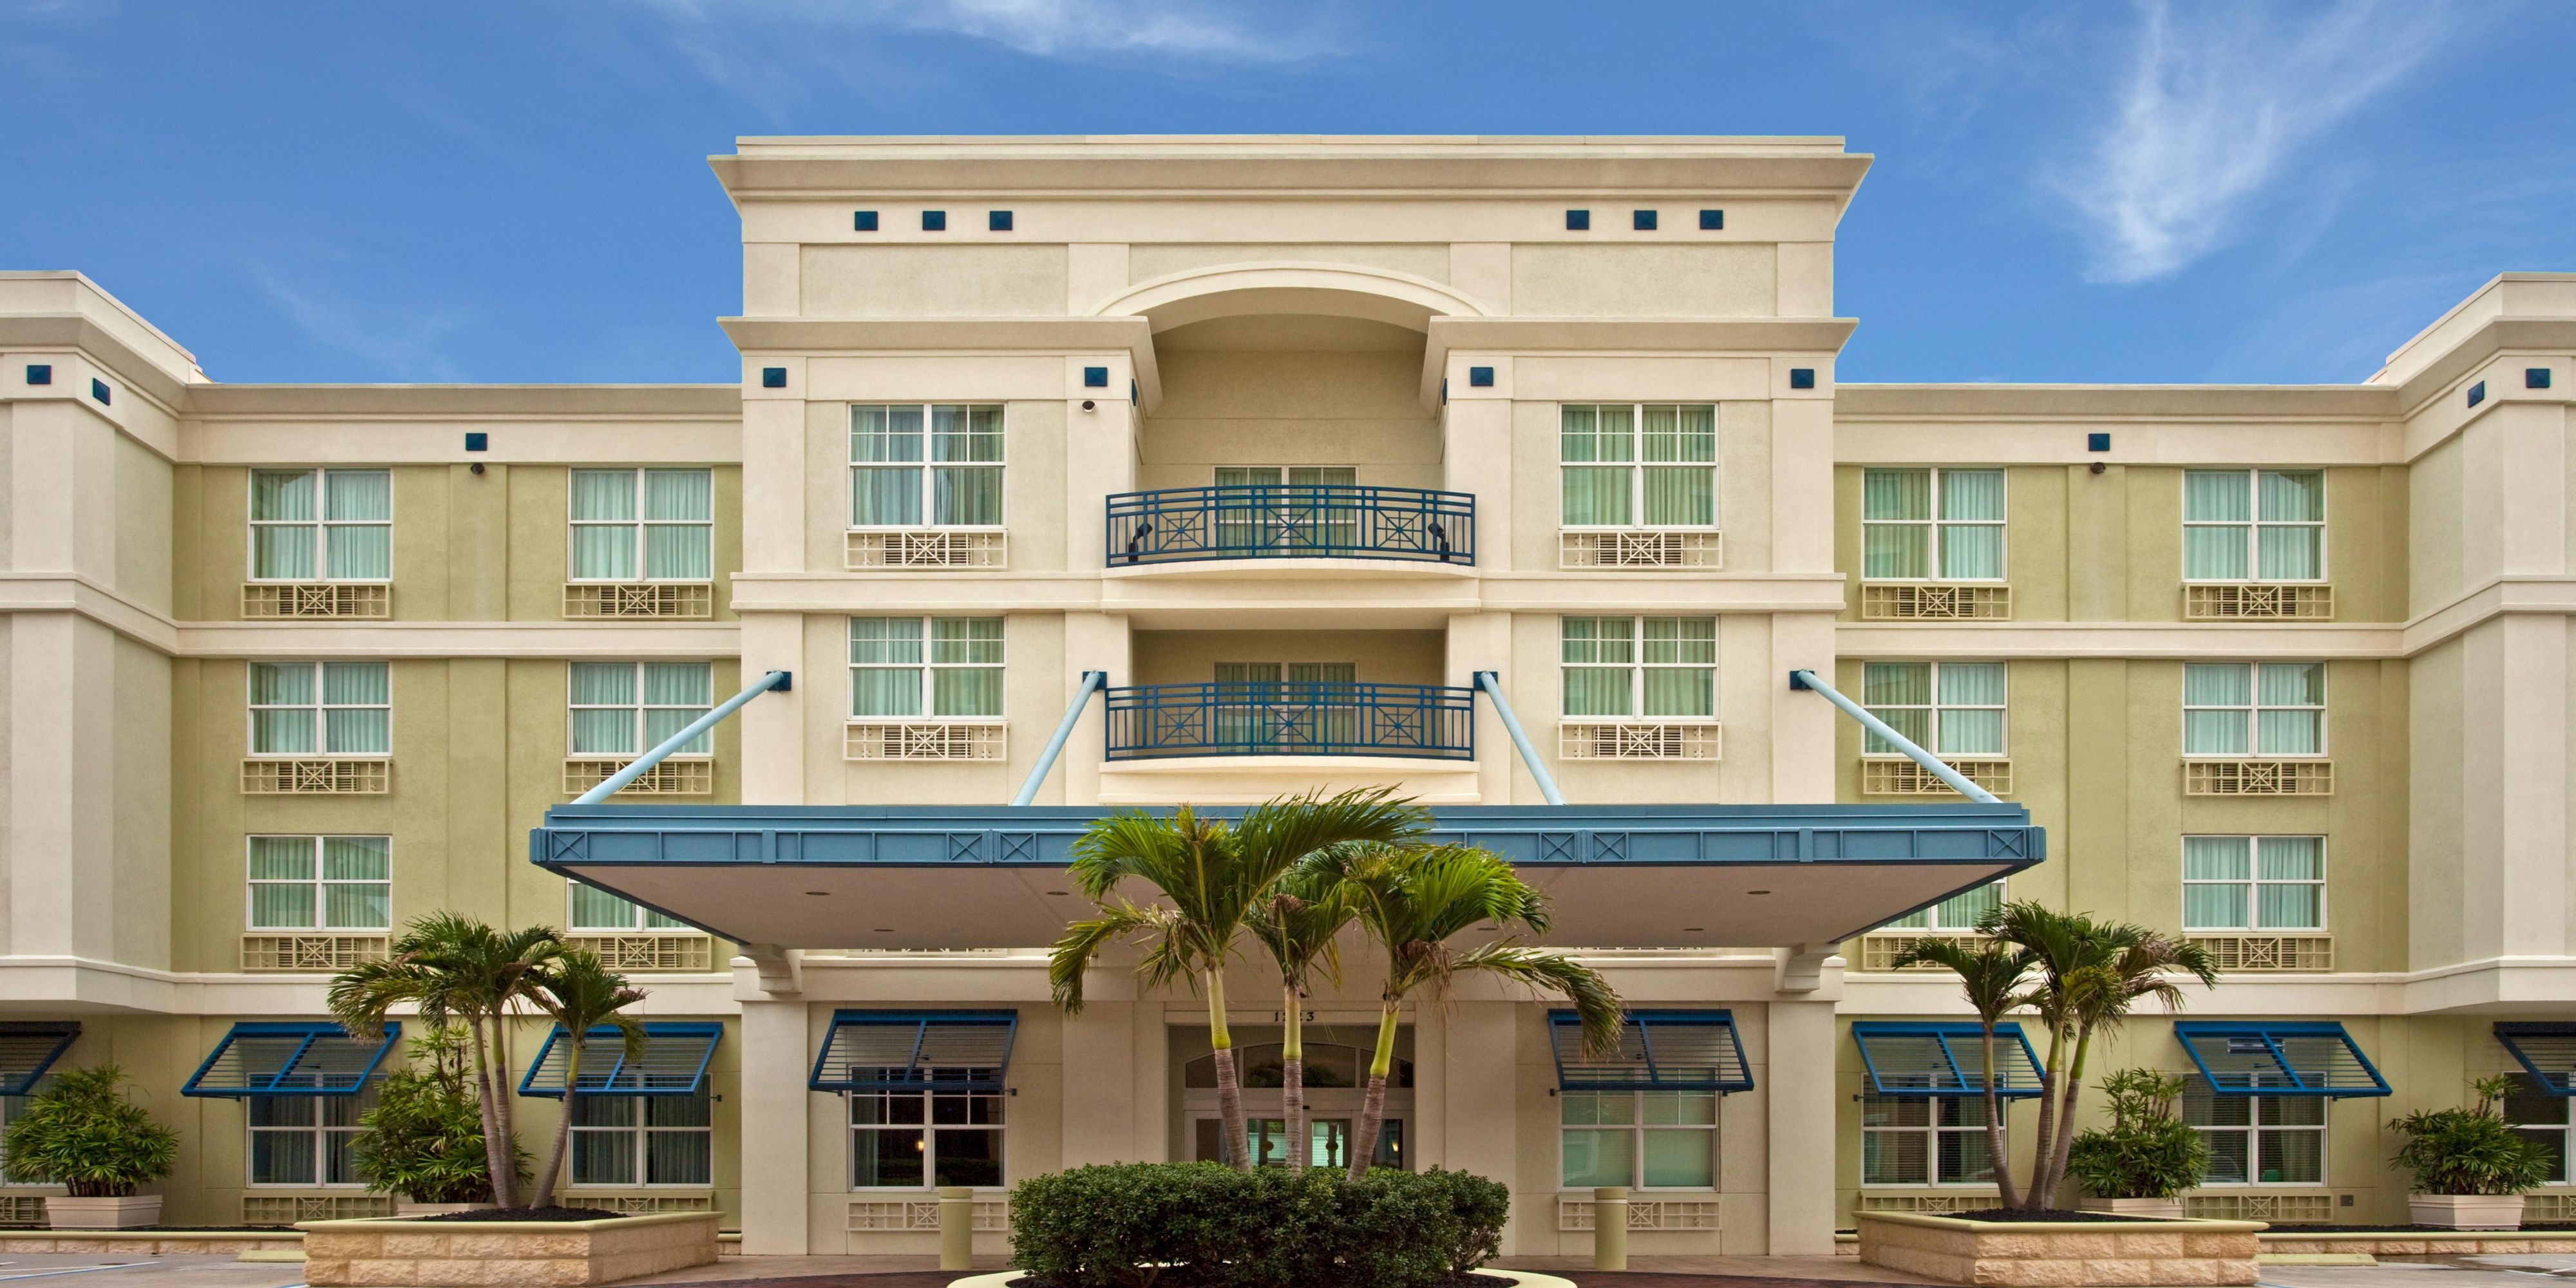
(2253, 525)
(597, 911)
(1961, 912)
(305, 1140)
(923, 1139)
(1647, 1139)
(1653, 668)
(2540, 1117)
(1947, 708)
(642, 1140)
(1932, 525)
(939, 668)
(629, 708)
(321, 709)
(321, 525)
(2254, 709)
(2258, 1140)
(643, 525)
(1638, 465)
(2254, 883)
(1924, 1140)
(321, 883)
(937, 465)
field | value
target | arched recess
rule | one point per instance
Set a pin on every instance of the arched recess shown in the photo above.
(1335, 290)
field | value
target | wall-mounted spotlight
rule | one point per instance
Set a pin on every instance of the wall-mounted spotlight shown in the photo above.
(1088, 405)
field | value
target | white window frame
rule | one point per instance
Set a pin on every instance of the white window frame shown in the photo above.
(2253, 1132)
(640, 924)
(321, 714)
(927, 668)
(929, 470)
(930, 1133)
(1937, 522)
(1934, 708)
(2254, 709)
(1636, 466)
(2255, 881)
(639, 523)
(320, 523)
(1932, 915)
(639, 1145)
(313, 1136)
(2254, 530)
(1932, 1132)
(640, 707)
(1637, 1127)
(321, 884)
(1637, 669)
(2562, 1128)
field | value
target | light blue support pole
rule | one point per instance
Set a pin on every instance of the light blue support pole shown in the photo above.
(1492, 685)
(779, 680)
(1961, 782)
(1092, 682)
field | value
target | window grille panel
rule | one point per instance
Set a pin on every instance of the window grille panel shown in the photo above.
(992, 1216)
(2258, 778)
(929, 548)
(287, 1209)
(268, 600)
(2258, 601)
(311, 952)
(2269, 952)
(2280, 1209)
(1640, 741)
(924, 740)
(680, 952)
(1643, 548)
(266, 777)
(1645, 1214)
(1934, 601)
(672, 777)
(1905, 778)
(665, 599)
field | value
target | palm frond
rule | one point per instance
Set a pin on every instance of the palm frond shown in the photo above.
(1546, 970)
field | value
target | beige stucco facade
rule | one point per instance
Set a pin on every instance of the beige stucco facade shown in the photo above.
(1406, 314)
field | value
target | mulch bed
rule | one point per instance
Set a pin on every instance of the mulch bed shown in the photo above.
(529, 1214)
(1582, 1279)
(2068, 1215)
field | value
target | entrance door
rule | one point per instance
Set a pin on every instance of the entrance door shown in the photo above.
(1328, 1141)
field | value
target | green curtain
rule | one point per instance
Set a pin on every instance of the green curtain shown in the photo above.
(679, 506)
(1600, 656)
(1896, 537)
(885, 474)
(1593, 436)
(2226, 688)
(885, 660)
(359, 545)
(282, 536)
(2298, 865)
(1972, 717)
(966, 497)
(1972, 533)
(966, 676)
(281, 876)
(287, 687)
(2214, 870)
(2301, 730)
(886, 641)
(676, 693)
(603, 530)
(2216, 507)
(1899, 693)
(2290, 544)
(356, 700)
(1963, 911)
(1680, 656)
(603, 709)
(597, 909)
(358, 871)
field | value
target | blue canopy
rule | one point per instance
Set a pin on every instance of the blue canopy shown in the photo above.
(28, 1048)
(297, 1058)
(2545, 1051)
(673, 1062)
(2279, 1058)
(1944, 1059)
(1658, 1051)
(916, 1051)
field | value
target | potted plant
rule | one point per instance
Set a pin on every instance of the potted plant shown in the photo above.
(2146, 1158)
(2471, 1170)
(423, 1142)
(82, 1133)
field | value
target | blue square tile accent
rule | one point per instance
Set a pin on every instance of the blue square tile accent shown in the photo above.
(98, 390)
(1480, 377)
(1712, 221)
(997, 221)
(1578, 220)
(2477, 393)
(773, 377)
(863, 221)
(1643, 221)
(2535, 377)
(1095, 377)
(478, 441)
(40, 374)
(934, 221)
(1444, 391)
(2097, 442)
(1802, 377)
(1131, 392)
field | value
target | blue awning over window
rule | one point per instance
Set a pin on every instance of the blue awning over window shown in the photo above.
(1944, 1059)
(673, 1062)
(2545, 1051)
(290, 1059)
(1658, 1051)
(28, 1048)
(2279, 1058)
(916, 1051)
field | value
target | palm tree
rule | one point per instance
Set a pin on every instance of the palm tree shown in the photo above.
(2057, 945)
(1412, 900)
(1991, 974)
(1211, 877)
(455, 969)
(581, 994)
(1299, 923)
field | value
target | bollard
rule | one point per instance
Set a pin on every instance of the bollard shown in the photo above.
(1610, 1227)
(957, 1227)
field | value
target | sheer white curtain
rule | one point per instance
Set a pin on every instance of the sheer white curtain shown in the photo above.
(885, 466)
(966, 671)
(1896, 528)
(2300, 729)
(2292, 872)
(603, 525)
(357, 883)
(676, 693)
(885, 666)
(358, 509)
(1899, 693)
(1972, 717)
(2217, 700)
(966, 477)
(1972, 524)
(2215, 870)
(679, 509)
(283, 535)
(1680, 482)
(282, 709)
(281, 883)
(603, 709)
(357, 702)
(1599, 659)
(1597, 445)
(2217, 511)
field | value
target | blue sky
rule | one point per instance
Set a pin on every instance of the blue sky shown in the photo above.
(516, 191)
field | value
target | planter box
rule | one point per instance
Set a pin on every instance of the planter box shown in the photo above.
(535, 1254)
(63, 1212)
(405, 1209)
(2461, 1211)
(2160, 1209)
(2048, 1254)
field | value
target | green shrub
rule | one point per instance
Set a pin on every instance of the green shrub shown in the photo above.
(83, 1134)
(2146, 1152)
(424, 1138)
(1203, 1225)
(2470, 1151)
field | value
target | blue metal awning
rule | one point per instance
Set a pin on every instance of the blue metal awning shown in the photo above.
(1944, 1059)
(28, 1048)
(2545, 1051)
(1658, 1051)
(2279, 1058)
(916, 1051)
(299, 1058)
(673, 1063)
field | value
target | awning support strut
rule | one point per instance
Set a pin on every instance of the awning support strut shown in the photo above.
(1491, 685)
(1807, 680)
(1092, 682)
(779, 680)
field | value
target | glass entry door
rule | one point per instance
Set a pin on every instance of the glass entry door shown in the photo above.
(1328, 1142)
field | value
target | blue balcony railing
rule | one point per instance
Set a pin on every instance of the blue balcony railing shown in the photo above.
(1291, 521)
(1273, 718)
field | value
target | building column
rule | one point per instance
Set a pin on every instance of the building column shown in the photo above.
(777, 1167)
(1798, 1083)
(1100, 1051)
(1092, 642)
(1483, 642)
(1479, 1092)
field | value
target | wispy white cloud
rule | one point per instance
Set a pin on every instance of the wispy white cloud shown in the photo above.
(1176, 30)
(405, 344)
(2219, 103)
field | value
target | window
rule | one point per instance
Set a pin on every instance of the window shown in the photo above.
(1648, 465)
(2259, 1140)
(321, 883)
(2254, 883)
(321, 525)
(1927, 525)
(1648, 1139)
(597, 910)
(642, 1140)
(1286, 518)
(956, 483)
(648, 525)
(1655, 667)
(2253, 525)
(628, 708)
(304, 1140)
(1947, 708)
(1924, 1140)
(2541, 1118)
(1958, 912)
(939, 667)
(921, 1139)
(2260, 709)
(321, 709)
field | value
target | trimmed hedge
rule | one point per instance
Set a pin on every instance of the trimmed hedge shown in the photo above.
(1205, 1225)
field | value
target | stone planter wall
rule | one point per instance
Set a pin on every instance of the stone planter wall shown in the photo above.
(503, 1254)
(2013, 1254)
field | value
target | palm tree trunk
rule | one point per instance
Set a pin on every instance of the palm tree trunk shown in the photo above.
(1995, 1125)
(2041, 1145)
(2066, 1113)
(563, 1130)
(1229, 1087)
(1373, 1109)
(1292, 1079)
(496, 1154)
(505, 1179)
